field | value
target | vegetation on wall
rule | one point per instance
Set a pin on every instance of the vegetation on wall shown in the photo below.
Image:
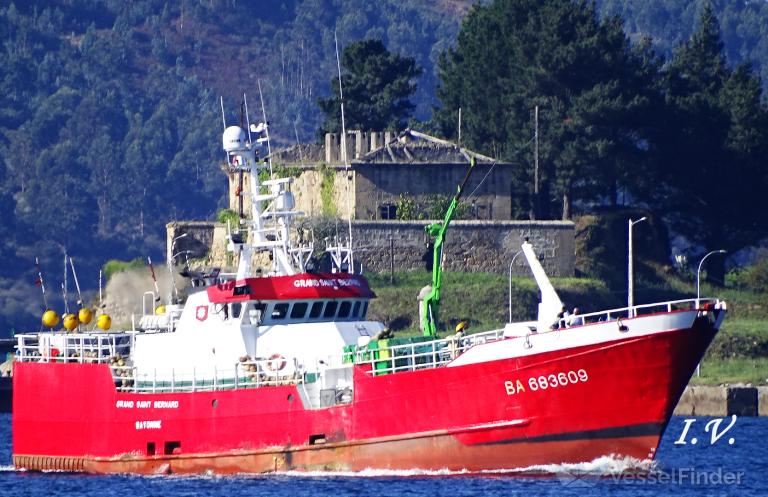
(327, 185)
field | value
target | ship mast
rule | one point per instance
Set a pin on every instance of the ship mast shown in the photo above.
(269, 226)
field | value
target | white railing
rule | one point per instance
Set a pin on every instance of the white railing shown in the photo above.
(420, 354)
(244, 374)
(645, 309)
(73, 347)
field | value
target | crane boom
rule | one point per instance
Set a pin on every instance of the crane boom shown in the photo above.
(431, 304)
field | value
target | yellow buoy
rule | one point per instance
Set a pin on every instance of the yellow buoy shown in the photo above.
(50, 318)
(104, 321)
(70, 322)
(84, 315)
(160, 310)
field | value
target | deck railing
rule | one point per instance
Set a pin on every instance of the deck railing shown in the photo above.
(646, 309)
(244, 374)
(73, 347)
(386, 359)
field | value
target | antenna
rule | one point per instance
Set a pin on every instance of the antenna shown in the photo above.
(344, 152)
(266, 129)
(459, 139)
(247, 118)
(298, 142)
(341, 99)
(223, 119)
(64, 283)
(536, 162)
(77, 283)
(101, 297)
(41, 282)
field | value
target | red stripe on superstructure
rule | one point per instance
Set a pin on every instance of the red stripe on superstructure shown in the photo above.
(295, 287)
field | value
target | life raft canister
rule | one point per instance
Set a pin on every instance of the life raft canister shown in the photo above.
(276, 362)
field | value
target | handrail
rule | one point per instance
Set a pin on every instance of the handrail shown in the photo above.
(244, 374)
(668, 306)
(421, 355)
(73, 347)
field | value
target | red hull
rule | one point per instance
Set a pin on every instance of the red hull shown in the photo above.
(473, 417)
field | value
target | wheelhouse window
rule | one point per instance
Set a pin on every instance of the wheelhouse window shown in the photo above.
(330, 309)
(298, 310)
(280, 311)
(317, 309)
(344, 309)
(356, 309)
(365, 310)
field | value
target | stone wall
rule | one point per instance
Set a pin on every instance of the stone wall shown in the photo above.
(197, 237)
(307, 189)
(478, 246)
(488, 191)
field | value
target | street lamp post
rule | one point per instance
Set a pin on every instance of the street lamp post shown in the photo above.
(510, 282)
(698, 273)
(173, 244)
(173, 259)
(630, 279)
(698, 293)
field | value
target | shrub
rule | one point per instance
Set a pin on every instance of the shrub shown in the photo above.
(114, 266)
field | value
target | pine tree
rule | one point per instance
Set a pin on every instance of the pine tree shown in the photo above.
(714, 149)
(376, 87)
(591, 86)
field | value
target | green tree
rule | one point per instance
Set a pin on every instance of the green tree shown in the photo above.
(714, 148)
(376, 85)
(593, 90)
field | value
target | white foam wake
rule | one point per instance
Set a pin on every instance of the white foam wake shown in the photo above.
(602, 466)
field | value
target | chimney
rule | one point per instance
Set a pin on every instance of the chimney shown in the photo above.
(376, 140)
(361, 144)
(331, 148)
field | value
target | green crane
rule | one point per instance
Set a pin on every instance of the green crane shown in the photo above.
(431, 306)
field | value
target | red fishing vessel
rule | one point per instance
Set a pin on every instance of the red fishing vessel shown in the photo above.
(281, 369)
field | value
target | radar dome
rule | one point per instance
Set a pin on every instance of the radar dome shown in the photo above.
(234, 139)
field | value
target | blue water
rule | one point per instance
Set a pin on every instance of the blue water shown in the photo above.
(739, 468)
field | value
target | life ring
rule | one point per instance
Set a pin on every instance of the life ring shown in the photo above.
(276, 362)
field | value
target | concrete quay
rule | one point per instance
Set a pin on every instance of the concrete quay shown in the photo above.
(721, 401)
